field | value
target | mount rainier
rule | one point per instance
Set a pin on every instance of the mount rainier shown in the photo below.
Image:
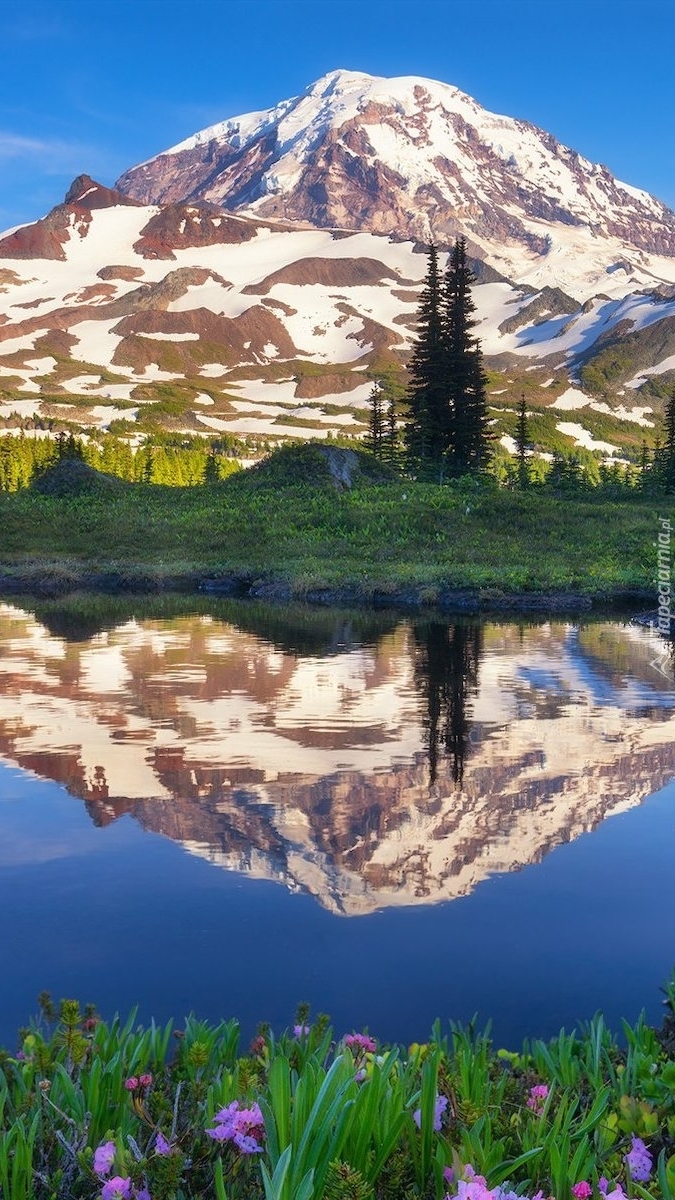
(254, 278)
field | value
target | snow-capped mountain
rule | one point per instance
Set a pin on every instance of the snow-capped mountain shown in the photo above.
(254, 279)
(425, 161)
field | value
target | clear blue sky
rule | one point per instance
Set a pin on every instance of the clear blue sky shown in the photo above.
(98, 85)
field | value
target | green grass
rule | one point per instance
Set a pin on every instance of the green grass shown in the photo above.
(377, 536)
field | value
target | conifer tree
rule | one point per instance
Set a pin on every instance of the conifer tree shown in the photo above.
(521, 444)
(375, 437)
(469, 438)
(447, 424)
(427, 395)
(211, 473)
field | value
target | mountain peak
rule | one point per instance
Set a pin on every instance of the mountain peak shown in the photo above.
(412, 157)
(85, 192)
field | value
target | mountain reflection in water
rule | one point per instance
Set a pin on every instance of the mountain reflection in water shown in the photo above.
(369, 761)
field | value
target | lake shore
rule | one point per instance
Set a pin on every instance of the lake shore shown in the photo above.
(275, 534)
(61, 577)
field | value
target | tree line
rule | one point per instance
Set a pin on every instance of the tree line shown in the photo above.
(183, 463)
(444, 432)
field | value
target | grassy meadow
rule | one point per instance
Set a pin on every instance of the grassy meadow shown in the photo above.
(288, 526)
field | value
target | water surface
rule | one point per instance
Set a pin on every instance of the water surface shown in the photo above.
(232, 811)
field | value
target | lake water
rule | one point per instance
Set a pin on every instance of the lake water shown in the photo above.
(241, 808)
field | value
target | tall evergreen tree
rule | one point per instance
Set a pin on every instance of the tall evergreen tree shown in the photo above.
(428, 414)
(447, 424)
(465, 382)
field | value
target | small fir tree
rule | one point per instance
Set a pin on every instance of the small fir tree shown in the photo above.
(375, 437)
(522, 444)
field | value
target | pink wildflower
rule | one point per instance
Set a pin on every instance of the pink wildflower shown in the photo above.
(131, 1084)
(581, 1191)
(360, 1041)
(145, 1080)
(537, 1098)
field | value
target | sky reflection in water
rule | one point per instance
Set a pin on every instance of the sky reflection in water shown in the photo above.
(336, 781)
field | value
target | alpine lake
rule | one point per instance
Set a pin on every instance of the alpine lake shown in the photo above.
(226, 808)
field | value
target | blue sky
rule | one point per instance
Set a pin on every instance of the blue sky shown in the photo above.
(98, 85)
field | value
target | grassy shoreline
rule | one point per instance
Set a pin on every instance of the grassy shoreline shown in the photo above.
(119, 1112)
(462, 548)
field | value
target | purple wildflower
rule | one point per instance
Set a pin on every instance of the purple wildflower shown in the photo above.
(301, 1031)
(116, 1189)
(162, 1147)
(617, 1193)
(440, 1105)
(104, 1157)
(143, 1194)
(242, 1126)
(246, 1143)
(638, 1160)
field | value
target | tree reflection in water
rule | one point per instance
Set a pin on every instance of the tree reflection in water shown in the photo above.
(447, 661)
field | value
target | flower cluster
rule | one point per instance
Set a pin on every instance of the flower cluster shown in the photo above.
(137, 1083)
(474, 1187)
(361, 1042)
(242, 1126)
(537, 1098)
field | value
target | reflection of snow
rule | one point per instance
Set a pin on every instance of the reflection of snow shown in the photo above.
(552, 718)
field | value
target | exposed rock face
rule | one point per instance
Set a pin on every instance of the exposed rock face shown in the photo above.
(85, 192)
(46, 238)
(409, 156)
